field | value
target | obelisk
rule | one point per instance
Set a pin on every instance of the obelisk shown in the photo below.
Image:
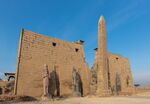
(102, 72)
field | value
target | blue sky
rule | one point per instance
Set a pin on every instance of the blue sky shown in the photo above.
(128, 28)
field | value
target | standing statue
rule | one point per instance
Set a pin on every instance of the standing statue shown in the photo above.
(118, 83)
(77, 83)
(127, 81)
(74, 79)
(54, 90)
(52, 87)
(45, 76)
(93, 82)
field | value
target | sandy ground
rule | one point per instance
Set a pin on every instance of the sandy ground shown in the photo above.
(143, 98)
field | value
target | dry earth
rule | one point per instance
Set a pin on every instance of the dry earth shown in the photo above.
(143, 98)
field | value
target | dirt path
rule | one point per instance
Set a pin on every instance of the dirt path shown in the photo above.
(137, 99)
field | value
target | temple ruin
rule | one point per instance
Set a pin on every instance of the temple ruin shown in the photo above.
(67, 71)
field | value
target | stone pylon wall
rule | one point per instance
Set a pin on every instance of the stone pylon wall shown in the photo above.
(120, 65)
(35, 50)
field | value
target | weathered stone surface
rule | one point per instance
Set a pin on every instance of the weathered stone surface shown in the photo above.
(112, 70)
(35, 50)
(110, 74)
(117, 65)
(102, 69)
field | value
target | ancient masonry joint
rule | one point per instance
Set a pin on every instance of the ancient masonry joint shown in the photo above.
(66, 72)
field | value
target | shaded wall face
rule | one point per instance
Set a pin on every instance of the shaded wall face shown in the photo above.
(119, 68)
(37, 50)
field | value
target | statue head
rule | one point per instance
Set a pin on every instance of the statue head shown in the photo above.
(45, 67)
(74, 69)
(55, 67)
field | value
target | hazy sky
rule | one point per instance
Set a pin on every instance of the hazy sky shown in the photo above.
(128, 28)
